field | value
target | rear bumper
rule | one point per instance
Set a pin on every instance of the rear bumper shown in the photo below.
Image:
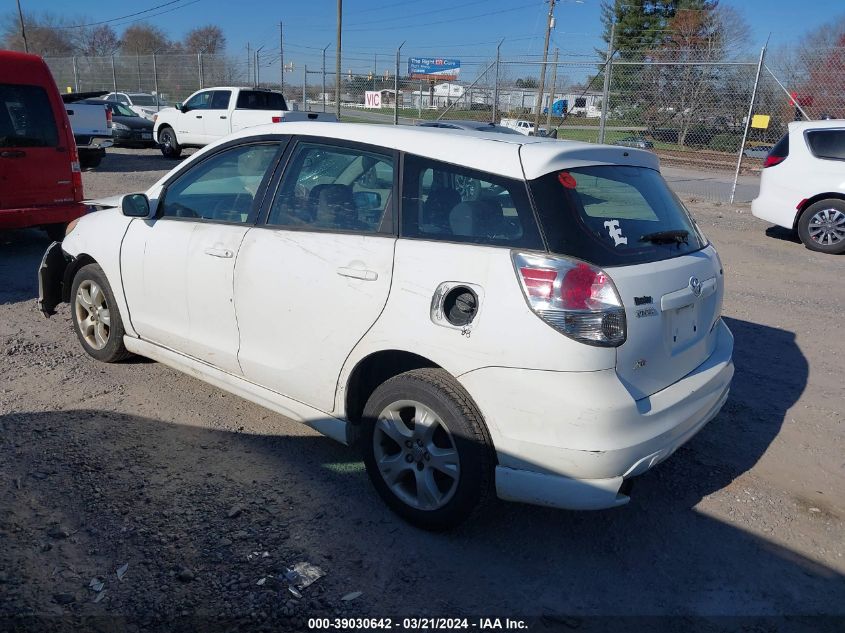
(570, 439)
(776, 203)
(93, 142)
(38, 216)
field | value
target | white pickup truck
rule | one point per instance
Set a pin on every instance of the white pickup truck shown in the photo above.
(210, 114)
(522, 126)
(91, 125)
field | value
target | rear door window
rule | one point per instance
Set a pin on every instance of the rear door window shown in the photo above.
(613, 215)
(335, 188)
(261, 100)
(26, 117)
(827, 144)
(447, 202)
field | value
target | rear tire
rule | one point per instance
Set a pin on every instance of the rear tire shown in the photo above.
(96, 318)
(426, 449)
(170, 147)
(91, 158)
(822, 226)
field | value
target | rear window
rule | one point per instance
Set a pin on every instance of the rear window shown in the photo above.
(829, 144)
(143, 100)
(26, 117)
(441, 201)
(613, 216)
(260, 100)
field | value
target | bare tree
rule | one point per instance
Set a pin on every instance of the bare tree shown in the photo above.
(209, 39)
(143, 38)
(44, 33)
(99, 41)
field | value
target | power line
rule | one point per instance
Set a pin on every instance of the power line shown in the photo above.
(123, 17)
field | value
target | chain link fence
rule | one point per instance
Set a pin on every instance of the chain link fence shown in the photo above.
(173, 77)
(692, 108)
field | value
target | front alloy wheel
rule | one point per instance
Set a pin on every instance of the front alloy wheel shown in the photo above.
(92, 314)
(95, 315)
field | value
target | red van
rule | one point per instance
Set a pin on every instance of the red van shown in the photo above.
(40, 178)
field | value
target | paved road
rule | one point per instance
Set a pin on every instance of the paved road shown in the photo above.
(711, 185)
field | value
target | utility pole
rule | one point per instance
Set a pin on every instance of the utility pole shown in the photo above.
(539, 105)
(605, 93)
(396, 87)
(257, 66)
(552, 94)
(23, 29)
(304, 87)
(496, 86)
(375, 69)
(324, 76)
(281, 59)
(248, 64)
(748, 118)
(337, 58)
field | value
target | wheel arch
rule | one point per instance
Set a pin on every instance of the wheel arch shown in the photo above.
(806, 204)
(371, 371)
(83, 259)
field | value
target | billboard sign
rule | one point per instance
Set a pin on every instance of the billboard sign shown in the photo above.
(372, 99)
(434, 68)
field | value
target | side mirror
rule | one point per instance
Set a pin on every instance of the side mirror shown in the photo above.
(366, 200)
(181, 107)
(135, 205)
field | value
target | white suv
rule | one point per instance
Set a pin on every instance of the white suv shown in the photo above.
(802, 186)
(477, 311)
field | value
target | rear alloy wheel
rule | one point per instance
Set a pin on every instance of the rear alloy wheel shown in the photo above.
(822, 226)
(95, 315)
(427, 450)
(170, 147)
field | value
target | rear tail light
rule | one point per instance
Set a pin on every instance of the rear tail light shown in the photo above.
(277, 119)
(75, 174)
(575, 298)
(108, 119)
(772, 160)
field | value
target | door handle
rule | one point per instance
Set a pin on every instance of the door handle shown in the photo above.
(357, 273)
(12, 153)
(225, 253)
(222, 116)
(199, 116)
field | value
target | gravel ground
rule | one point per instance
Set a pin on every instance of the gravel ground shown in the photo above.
(208, 498)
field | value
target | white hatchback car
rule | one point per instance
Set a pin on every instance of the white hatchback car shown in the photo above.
(477, 311)
(802, 186)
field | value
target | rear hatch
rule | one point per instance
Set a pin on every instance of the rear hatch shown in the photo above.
(625, 220)
(35, 160)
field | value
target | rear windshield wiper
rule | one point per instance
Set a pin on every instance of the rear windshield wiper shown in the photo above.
(674, 236)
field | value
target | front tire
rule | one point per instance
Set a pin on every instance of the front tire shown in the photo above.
(96, 318)
(170, 147)
(822, 226)
(426, 449)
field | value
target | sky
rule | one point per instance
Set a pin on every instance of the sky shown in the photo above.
(373, 29)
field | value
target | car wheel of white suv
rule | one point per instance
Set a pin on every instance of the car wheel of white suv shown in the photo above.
(95, 316)
(427, 450)
(822, 226)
